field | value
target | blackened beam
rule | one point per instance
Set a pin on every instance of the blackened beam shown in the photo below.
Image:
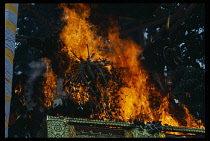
(143, 26)
(160, 21)
(182, 18)
(39, 16)
(178, 14)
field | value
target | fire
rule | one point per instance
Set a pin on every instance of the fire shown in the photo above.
(18, 88)
(49, 85)
(190, 120)
(76, 33)
(134, 99)
(165, 117)
(19, 91)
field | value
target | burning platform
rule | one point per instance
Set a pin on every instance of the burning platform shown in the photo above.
(66, 127)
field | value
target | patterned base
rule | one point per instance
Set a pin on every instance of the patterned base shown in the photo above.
(60, 127)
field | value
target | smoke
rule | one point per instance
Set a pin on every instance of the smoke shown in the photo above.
(37, 69)
(60, 93)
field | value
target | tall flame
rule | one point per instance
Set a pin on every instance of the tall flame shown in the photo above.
(50, 84)
(137, 98)
(77, 32)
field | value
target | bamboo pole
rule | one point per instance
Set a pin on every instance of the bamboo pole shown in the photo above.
(11, 14)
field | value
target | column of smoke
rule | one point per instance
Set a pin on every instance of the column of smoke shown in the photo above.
(37, 69)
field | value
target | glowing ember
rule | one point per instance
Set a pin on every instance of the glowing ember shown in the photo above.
(134, 99)
(18, 88)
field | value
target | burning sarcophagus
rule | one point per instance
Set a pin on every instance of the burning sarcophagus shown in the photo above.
(66, 127)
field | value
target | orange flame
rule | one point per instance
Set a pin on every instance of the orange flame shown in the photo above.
(18, 88)
(134, 101)
(49, 85)
(77, 32)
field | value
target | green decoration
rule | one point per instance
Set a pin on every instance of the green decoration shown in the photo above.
(66, 127)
